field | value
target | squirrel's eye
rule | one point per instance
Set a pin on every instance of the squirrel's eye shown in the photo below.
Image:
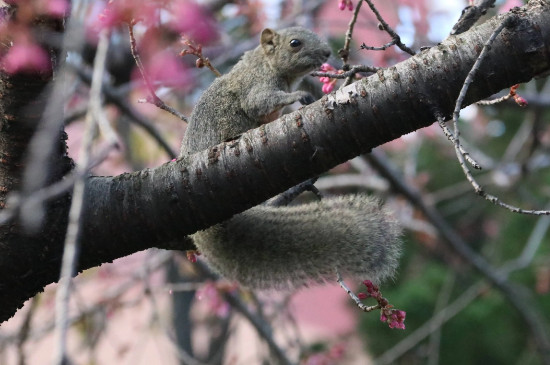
(295, 43)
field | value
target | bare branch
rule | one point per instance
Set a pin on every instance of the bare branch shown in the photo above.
(451, 138)
(154, 99)
(201, 59)
(381, 48)
(471, 14)
(347, 74)
(355, 298)
(506, 22)
(344, 52)
(71, 246)
(395, 37)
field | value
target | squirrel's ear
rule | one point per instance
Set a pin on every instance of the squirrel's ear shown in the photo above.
(267, 40)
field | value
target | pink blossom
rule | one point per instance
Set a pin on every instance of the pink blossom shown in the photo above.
(328, 87)
(393, 317)
(163, 68)
(327, 67)
(520, 101)
(368, 284)
(194, 22)
(56, 7)
(328, 83)
(212, 297)
(191, 254)
(25, 57)
(398, 325)
(167, 68)
(342, 4)
(118, 12)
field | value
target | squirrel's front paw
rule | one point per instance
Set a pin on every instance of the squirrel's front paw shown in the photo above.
(307, 99)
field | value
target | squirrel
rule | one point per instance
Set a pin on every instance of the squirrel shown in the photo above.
(276, 247)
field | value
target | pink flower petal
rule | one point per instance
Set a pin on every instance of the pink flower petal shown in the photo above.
(25, 57)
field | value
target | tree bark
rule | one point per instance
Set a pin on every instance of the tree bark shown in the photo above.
(159, 207)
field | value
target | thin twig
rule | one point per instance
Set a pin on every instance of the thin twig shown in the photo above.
(201, 59)
(287, 196)
(344, 52)
(450, 136)
(512, 94)
(477, 64)
(471, 14)
(462, 95)
(153, 98)
(395, 37)
(211, 67)
(363, 307)
(70, 251)
(531, 247)
(494, 101)
(381, 48)
(350, 73)
(434, 344)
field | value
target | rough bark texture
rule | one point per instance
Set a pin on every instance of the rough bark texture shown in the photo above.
(158, 207)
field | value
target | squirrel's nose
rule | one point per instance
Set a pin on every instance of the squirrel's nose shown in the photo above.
(326, 53)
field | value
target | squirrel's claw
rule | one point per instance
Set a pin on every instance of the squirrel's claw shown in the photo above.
(307, 99)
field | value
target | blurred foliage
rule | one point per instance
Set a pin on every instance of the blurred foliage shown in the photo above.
(488, 330)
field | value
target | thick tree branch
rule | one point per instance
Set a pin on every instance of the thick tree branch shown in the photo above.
(158, 207)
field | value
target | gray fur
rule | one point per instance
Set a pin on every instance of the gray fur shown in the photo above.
(255, 90)
(268, 247)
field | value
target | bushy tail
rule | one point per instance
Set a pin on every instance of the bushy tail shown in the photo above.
(275, 247)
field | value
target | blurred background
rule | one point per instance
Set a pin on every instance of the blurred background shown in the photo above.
(157, 307)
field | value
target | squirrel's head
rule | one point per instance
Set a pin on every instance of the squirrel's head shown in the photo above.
(294, 51)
